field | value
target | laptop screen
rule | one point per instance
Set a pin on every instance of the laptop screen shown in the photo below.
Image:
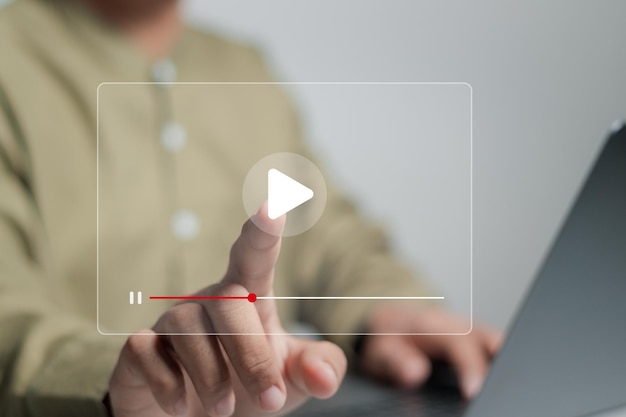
(566, 352)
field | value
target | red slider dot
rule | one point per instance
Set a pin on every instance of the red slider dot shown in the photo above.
(252, 297)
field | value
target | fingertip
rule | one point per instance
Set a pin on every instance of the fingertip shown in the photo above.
(494, 342)
(272, 399)
(414, 372)
(273, 226)
(323, 372)
(321, 379)
(398, 361)
(471, 386)
(471, 362)
(180, 407)
(316, 368)
(226, 406)
(262, 212)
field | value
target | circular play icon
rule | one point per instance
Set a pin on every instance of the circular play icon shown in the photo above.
(292, 185)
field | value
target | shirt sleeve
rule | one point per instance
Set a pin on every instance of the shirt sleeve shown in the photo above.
(52, 361)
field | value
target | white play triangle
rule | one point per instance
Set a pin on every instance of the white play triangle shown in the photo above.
(284, 194)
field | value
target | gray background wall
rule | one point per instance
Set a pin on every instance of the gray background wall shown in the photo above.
(548, 79)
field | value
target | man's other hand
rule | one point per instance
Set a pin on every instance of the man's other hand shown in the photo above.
(406, 360)
(242, 371)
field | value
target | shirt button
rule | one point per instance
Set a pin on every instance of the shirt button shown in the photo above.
(185, 225)
(173, 137)
(164, 71)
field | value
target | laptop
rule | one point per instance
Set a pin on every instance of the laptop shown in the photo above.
(565, 355)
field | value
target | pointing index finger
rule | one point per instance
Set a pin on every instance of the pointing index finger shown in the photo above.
(254, 254)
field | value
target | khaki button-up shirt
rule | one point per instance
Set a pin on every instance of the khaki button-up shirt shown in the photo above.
(171, 162)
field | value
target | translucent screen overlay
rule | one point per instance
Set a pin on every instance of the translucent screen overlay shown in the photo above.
(173, 158)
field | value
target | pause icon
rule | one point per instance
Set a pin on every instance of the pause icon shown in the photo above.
(131, 297)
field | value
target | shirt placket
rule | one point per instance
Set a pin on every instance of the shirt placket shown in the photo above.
(173, 139)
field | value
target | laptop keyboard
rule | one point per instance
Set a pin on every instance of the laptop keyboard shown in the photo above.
(435, 403)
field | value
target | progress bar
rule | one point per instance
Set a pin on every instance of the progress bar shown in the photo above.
(253, 297)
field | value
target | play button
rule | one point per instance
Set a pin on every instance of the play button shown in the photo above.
(287, 181)
(284, 194)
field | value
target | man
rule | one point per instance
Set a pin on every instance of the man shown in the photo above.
(52, 360)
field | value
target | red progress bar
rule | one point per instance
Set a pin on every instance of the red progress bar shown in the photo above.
(250, 297)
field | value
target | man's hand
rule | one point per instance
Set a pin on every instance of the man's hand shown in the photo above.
(242, 373)
(406, 360)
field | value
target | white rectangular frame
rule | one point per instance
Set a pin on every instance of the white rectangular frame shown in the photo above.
(305, 334)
